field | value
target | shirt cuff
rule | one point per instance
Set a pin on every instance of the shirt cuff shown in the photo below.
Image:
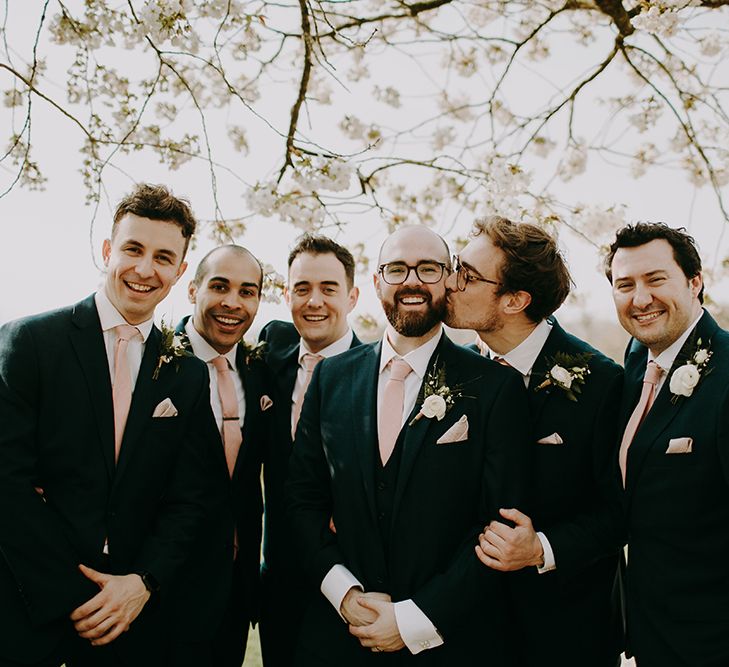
(415, 628)
(549, 563)
(335, 585)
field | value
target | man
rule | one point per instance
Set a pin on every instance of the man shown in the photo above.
(674, 453)
(102, 456)
(218, 595)
(320, 294)
(409, 445)
(507, 282)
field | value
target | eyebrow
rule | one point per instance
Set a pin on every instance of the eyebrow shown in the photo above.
(302, 283)
(162, 251)
(223, 279)
(647, 274)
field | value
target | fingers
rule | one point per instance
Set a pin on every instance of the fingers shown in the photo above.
(378, 596)
(95, 626)
(487, 560)
(519, 518)
(97, 577)
(503, 531)
(372, 603)
(110, 636)
(88, 608)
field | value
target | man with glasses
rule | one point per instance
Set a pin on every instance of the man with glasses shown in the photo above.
(408, 445)
(563, 555)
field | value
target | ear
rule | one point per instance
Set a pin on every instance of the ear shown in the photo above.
(287, 296)
(695, 284)
(180, 271)
(106, 251)
(352, 299)
(376, 283)
(191, 291)
(516, 302)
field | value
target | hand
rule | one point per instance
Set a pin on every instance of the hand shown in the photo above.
(507, 549)
(383, 634)
(111, 611)
(356, 614)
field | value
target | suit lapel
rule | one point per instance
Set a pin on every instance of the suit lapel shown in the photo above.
(88, 342)
(252, 391)
(556, 342)
(140, 411)
(364, 415)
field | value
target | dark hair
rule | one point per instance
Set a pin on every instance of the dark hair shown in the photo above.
(156, 202)
(315, 244)
(202, 267)
(532, 263)
(684, 246)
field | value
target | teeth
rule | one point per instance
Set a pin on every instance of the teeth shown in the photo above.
(648, 317)
(227, 320)
(137, 287)
(413, 300)
(315, 318)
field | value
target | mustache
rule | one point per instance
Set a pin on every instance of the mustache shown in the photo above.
(413, 291)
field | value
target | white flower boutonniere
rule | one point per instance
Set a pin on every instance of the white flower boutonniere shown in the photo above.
(568, 372)
(253, 352)
(172, 346)
(438, 397)
(684, 379)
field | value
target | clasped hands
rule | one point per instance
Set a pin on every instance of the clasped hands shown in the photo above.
(111, 611)
(507, 549)
(371, 618)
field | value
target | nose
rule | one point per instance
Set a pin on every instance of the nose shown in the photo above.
(145, 266)
(412, 278)
(450, 282)
(230, 300)
(642, 296)
(315, 299)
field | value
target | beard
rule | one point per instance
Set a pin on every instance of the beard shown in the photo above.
(487, 322)
(410, 324)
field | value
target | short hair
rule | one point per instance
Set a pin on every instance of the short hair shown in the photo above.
(156, 202)
(202, 267)
(684, 247)
(316, 244)
(532, 263)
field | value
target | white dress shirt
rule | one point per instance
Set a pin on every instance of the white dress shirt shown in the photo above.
(337, 347)
(522, 358)
(417, 631)
(666, 358)
(110, 317)
(204, 351)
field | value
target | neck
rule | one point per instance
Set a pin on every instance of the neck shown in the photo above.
(511, 335)
(404, 344)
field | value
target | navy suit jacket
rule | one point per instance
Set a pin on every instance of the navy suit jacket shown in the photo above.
(444, 495)
(677, 508)
(206, 585)
(58, 434)
(570, 616)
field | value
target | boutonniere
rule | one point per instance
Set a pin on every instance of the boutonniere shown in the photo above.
(438, 397)
(568, 372)
(253, 352)
(172, 346)
(684, 379)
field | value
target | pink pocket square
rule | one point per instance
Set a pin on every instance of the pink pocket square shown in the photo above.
(680, 446)
(266, 402)
(456, 433)
(554, 439)
(166, 408)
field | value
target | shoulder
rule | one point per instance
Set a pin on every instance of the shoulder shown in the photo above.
(598, 363)
(279, 333)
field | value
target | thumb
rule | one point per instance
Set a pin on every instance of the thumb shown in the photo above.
(370, 603)
(516, 516)
(97, 577)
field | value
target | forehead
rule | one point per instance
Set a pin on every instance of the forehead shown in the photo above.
(324, 267)
(480, 252)
(656, 255)
(155, 234)
(412, 246)
(235, 267)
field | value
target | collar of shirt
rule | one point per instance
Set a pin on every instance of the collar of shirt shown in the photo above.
(666, 358)
(524, 355)
(203, 350)
(337, 347)
(110, 317)
(417, 358)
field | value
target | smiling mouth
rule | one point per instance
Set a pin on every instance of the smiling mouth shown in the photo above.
(227, 320)
(412, 300)
(314, 318)
(647, 318)
(138, 287)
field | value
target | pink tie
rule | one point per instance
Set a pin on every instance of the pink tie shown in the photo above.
(232, 437)
(309, 362)
(121, 393)
(393, 399)
(645, 402)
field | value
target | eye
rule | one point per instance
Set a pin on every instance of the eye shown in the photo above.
(329, 290)
(163, 259)
(623, 287)
(656, 279)
(248, 293)
(429, 269)
(218, 287)
(395, 269)
(301, 291)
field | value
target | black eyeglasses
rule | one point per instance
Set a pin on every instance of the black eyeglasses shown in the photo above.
(396, 273)
(464, 276)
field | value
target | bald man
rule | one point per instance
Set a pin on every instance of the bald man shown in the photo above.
(407, 481)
